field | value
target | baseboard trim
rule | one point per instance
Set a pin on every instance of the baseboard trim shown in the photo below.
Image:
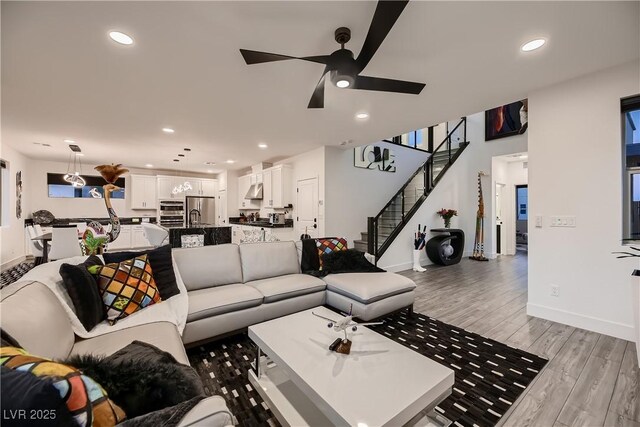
(594, 324)
(12, 263)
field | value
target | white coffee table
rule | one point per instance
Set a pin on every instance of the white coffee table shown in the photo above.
(380, 383)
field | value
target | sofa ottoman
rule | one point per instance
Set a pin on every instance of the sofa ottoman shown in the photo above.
(372, 294)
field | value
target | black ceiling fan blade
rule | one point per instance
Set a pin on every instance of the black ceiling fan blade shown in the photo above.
(317, 98)
(387, 85)
(386, 14)
(256, 57)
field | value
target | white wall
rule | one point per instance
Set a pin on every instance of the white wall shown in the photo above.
(458, 190)
(575, 168)
(305, 166)
(12, 236)
(353, 194)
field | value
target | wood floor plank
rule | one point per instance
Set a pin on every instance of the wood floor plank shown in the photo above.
(574, 354)
(550, 343)
(616, 420)
(626, 395)
(544, 400)
(525, 336)
(588, 403)
(610, 347)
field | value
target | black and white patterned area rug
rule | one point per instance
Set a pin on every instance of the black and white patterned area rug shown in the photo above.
(14, 273)
(489, 375)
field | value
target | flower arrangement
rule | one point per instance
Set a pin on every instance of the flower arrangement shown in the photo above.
(446, 215)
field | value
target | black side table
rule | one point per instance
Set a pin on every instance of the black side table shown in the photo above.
(436, 246)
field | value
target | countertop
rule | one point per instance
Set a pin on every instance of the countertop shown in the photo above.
(103, 221)
(264, 224)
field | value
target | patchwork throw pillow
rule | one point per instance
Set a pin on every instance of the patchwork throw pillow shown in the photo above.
(31, 401)
(329, 245)
(85, 399)
(161, 263)
(82, 288)
(127, 287)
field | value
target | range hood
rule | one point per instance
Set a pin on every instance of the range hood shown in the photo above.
(255, 192)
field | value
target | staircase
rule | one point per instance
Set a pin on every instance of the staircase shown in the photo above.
(384, 227)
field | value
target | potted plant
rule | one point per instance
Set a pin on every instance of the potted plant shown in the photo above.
(446, 215)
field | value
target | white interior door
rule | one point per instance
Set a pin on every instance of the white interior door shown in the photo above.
(307, 207)
(221, 208)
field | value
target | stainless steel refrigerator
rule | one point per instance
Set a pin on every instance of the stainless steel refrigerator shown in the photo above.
(200, 211)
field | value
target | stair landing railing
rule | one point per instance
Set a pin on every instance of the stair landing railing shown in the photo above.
(383, 228)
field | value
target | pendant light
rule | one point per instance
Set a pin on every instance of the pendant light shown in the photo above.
(186, 186)
(74, 178)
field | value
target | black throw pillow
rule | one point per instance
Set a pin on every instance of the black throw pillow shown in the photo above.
(161, 264)
(349, 261)
(31, 401)
(140, 378)
(83, 290)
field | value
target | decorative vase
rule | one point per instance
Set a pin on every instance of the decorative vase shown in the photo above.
(447, 222)
(416, 261)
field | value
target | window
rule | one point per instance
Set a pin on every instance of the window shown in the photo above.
(4, 193)
(58, 187)
(631, 148)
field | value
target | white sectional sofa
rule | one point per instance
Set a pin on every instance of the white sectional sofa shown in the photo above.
(229, 288)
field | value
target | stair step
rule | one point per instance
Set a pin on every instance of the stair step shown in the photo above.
(365, 236)
(357, 244)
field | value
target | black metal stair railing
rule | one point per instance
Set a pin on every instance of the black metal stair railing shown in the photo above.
(383, 228)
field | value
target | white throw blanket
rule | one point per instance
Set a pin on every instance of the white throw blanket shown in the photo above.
(173, 310)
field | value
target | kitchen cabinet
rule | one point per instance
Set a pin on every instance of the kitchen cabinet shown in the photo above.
(236, 234)
(123, 241)
(209, 188)
(277, 187)
(196, 187)
(244, 183)
(165, 188)
(143, 192)
(138, 239)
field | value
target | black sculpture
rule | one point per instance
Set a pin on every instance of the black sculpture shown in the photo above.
(446, 249)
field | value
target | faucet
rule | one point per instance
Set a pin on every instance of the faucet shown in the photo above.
(194, 213)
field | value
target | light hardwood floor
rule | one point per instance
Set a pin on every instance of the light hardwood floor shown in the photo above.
(590, 380)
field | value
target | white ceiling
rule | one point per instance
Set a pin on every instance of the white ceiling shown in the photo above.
(62, 77)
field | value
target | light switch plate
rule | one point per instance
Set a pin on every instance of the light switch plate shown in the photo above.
(538, 221)
(563, 221)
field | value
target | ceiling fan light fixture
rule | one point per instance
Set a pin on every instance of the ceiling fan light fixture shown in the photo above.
(343, 83)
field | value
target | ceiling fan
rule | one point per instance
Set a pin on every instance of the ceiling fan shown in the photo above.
(343, 69)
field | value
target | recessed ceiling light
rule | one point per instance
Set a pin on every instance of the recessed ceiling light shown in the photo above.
(168, 130)
(230, 161)
(121, 38)
(209, 163)
(262, 145)
(69, 141)
(80, 154)
(209, 171)
(533, 45)
(362, 116)
(148, 165)
(180, 155)
(176, 160)
(342, 83)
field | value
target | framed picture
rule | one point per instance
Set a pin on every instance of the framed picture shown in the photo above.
(375, 158)
(506, 120)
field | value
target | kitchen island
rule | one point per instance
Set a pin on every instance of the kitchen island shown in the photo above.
(243, 231)
(199, 235)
